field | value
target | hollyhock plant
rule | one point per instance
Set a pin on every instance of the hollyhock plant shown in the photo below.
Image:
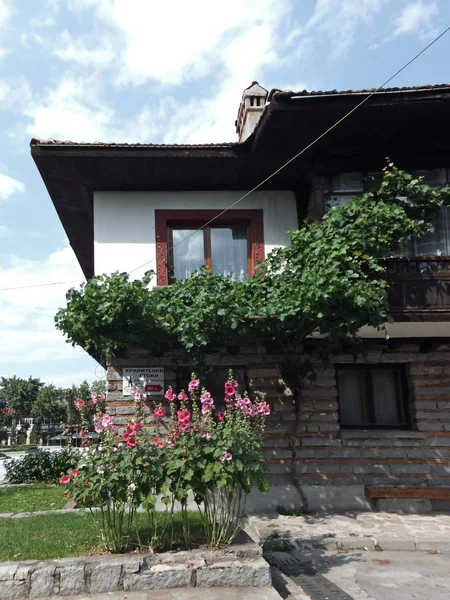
(194, 385)
(216, 458)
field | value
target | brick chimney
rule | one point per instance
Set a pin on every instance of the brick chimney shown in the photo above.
(250, 110)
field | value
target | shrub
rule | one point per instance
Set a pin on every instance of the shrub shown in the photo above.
(39, 465)
(215, 456)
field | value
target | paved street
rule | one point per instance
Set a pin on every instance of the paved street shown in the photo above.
(387, 575)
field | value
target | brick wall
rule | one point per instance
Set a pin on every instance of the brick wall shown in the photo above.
(313, 447)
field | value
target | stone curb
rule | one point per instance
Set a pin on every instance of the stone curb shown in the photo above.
(367, 543)
(240, 565)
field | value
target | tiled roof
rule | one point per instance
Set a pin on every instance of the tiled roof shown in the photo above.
(50, 142)
(289, 93)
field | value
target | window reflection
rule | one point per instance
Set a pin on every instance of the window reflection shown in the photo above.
(229, 251)
(224, 250)
(188, 256)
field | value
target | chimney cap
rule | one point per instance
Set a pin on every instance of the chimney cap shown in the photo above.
(254, 89)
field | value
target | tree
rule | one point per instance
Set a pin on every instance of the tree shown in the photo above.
(49, 407)
(20, 395)
(99, 387)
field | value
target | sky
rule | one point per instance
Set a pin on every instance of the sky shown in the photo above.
(161, 72)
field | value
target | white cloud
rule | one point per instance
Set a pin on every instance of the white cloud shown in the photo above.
(15, 93)
(172, 41)
(29, 341)
(416, 17)
(71, 111)
(4, 231)
(84, 51)
(333, 26)
(27, 330)
(9, 186)
(5, 12)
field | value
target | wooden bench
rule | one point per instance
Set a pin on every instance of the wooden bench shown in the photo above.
(377, 492)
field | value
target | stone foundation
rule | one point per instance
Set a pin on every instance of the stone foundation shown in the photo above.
(240, 565)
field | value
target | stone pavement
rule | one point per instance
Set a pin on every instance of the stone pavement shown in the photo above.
(366, 530)
(385, 575)
(237, 593)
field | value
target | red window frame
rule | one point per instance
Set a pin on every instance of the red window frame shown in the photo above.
(194, 219)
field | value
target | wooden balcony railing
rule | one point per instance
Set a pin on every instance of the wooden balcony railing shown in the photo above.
(419, 288)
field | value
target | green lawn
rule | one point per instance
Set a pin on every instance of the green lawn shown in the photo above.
(69, 534)
(28, 498)
(17, 448)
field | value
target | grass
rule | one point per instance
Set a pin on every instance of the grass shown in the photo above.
(29, 498)
(17, 448)
(70, 534)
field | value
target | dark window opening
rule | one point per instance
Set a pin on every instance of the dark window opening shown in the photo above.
(372, 396)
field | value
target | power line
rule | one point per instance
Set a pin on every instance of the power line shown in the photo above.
(301, 151)
(23, 287)
(292, 159)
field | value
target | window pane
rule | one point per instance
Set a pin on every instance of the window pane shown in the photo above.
(387, 397)
(437, 242)
(229, 251)
(352, 397)
(188, 256)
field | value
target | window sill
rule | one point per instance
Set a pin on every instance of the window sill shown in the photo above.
(356, 434)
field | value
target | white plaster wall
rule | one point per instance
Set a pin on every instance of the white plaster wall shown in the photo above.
(124, 222)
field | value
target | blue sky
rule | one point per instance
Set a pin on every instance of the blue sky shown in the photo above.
(151, 71)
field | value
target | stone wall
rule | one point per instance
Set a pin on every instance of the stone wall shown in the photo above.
(240, 564)
(311, 446)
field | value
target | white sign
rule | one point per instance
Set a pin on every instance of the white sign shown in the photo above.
(153, 380)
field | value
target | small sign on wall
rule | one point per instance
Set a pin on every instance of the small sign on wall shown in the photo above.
(153, 380)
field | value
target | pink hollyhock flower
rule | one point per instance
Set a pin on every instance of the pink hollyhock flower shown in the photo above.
(169, 395)
(101, 470)
(80, 403)
(205, 398)
(69, 495)
(137, 395)
(131, 441)
(184, 426)
(107, 421)
(267, 410)
(182, 396)
(226, 456)
(206, 435)
(94, 398)
(221, 416)
(229, 389)
(235, 384)
(161, 444)
(206, 409)
(194, 384)
(64, 479)
(184, 416)
(155, 441)
(82, 434)
(98, 426)
(251, 412)
(159, 413)
(74, 473)
(86, 483)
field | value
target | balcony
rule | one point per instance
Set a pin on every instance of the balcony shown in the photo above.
(419, 288)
